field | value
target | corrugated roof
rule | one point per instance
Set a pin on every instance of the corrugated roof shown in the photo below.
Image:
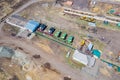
(32, 25)
(83, 58)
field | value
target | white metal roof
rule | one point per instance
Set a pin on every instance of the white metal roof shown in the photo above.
(83, 58)
(80, 57)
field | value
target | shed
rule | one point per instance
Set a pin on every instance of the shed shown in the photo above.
(83, 58)
(96, 53)
(90, 47)
(80, 57)
(32, 25)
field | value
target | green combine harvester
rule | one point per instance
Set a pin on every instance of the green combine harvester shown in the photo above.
(58, 34)
(63, 36)
(70, 39)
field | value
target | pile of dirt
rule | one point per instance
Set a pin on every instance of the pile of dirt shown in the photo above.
(10, 71)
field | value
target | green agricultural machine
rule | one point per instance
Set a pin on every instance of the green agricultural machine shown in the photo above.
(70, 39)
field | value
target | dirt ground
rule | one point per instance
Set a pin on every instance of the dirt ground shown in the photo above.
(59, 51)
(9, 70)
(7, 6)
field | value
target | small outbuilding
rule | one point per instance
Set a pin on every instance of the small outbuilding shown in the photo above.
(32, 25)
(83, 58)
(90, 46)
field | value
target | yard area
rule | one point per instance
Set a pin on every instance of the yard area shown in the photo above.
(72, 25)
(47, 54)
(68, 24)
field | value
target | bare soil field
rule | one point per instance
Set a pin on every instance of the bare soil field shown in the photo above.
(7, 6)
(41, 71)
(10, 70)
